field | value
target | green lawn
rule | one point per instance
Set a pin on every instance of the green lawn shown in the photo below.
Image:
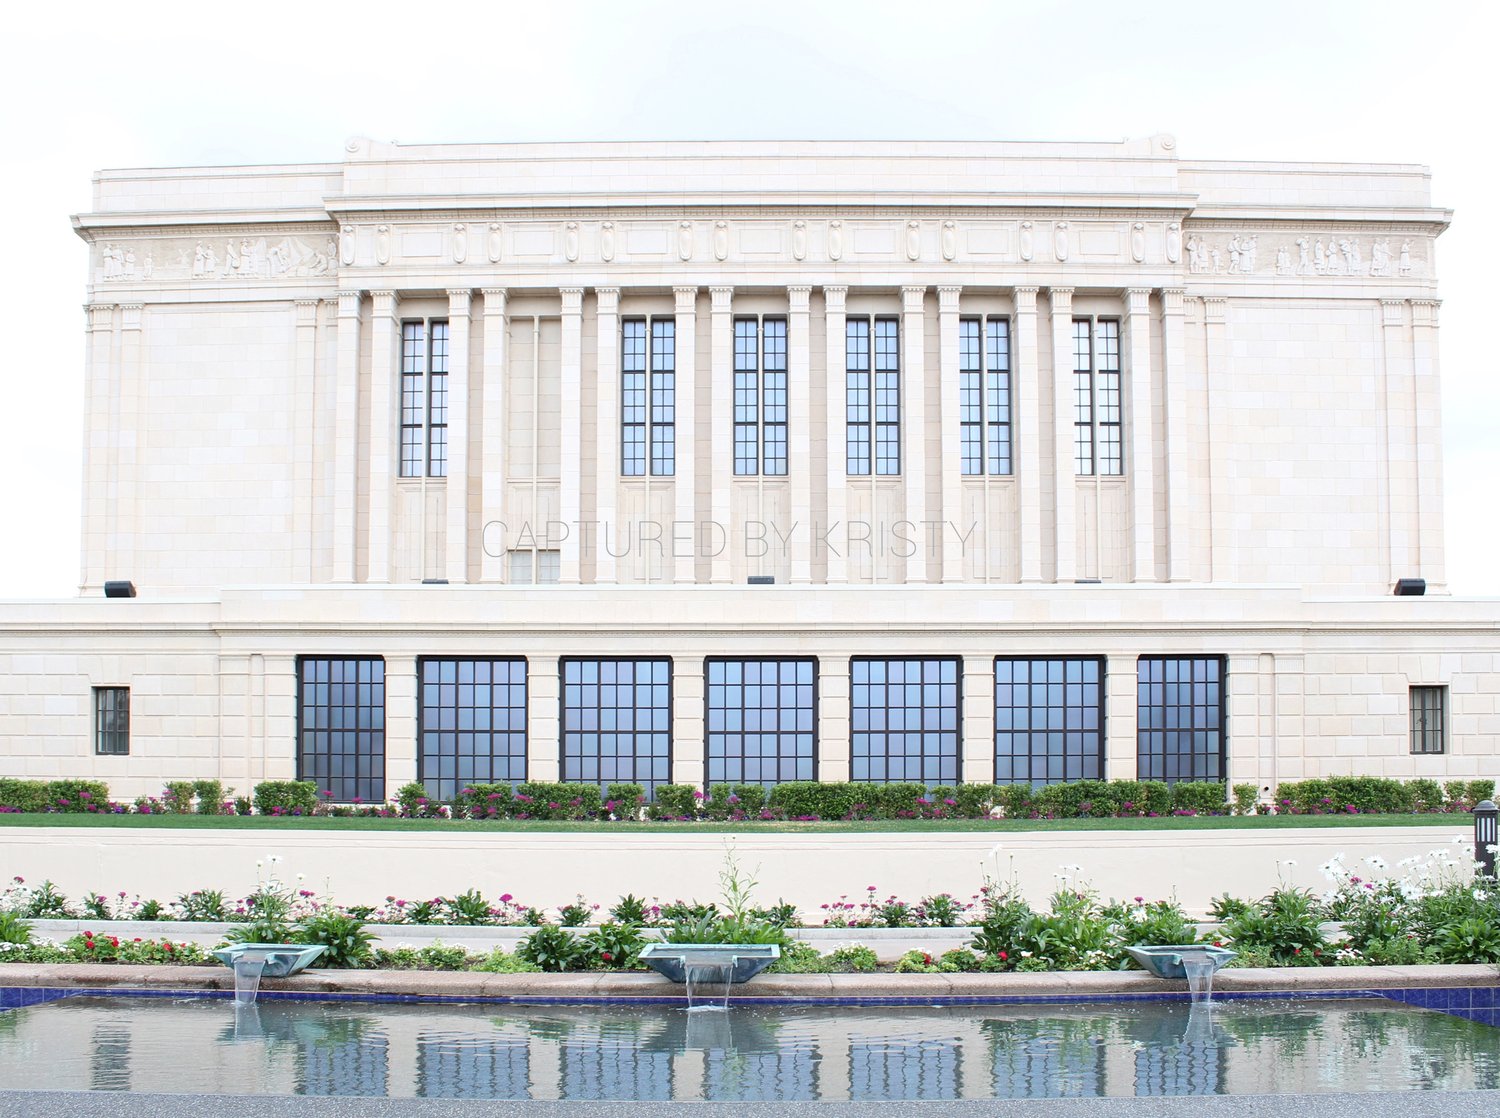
(329, 823)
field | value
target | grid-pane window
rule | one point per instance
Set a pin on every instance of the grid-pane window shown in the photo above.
(341, 727)
(872, 396)
(535, 566)
(112, 720)
(633, 409)
(762, 717)
(904, 720)
(471, 724)
(1429, 709)
(1180, 718)
(648, 397)
(617, 722)
(984, 396)
(1096, 397)
(760, 397)
(1049, 720)
(663, 396)
(424, 399)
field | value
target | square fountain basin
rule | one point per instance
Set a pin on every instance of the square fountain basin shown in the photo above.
(282, 959)
(1166, 961)
(742, 961)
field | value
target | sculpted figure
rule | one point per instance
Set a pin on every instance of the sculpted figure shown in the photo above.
(1403, 262)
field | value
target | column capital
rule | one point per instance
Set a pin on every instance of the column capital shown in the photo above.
(572, 299)
(912, 298)
(687, 299)
(833, 298)
(1137, 300)
(948, 299)
(1171, 300)
(1025, 298)
(1393, 312)
(100, 316)
(383, 303)
(608, 299)
(1213, 309)
(307, 312)
(797, 298)
(722, 298)
(1424, 312)
(349, 303)
(1061, 299)
(460, 299)
(130, 315)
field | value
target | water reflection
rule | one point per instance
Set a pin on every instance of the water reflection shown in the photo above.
(781, 1053)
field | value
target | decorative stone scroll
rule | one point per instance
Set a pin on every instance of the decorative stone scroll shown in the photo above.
(1028, 249)
(835, 239)
(799, 240)
(460, 242)
(382, 244)
(685, 240)
(950, 240)
(570, 242)
(492, 242)
(607, 241)
(913, 240)
(721, 240)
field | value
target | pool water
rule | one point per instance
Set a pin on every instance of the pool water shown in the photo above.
(601, 1052)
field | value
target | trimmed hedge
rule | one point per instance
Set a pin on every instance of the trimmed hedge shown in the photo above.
(286, 797)
(550, 800)
(484, 801)
(1375, 795)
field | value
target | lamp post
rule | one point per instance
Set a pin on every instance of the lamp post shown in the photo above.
(1484, 836)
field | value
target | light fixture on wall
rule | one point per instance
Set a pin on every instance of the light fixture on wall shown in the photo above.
(762, 580)
(1411, 587)
(121, 588)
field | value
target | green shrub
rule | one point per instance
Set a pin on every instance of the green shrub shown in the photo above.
(286, 797)
(1199, 797)
(890, 801)
(546, 800)
(1245, 796)
(498, 962)
(1370, 795)
(177, 797)
(1285, 925)
(243, 805)
(614, 946)
(856, 958)
(211, 796)
(23, 795)
(1079, 799)
(728, 801)
(412, 801)
(1477, 791)
(553, 949)
(14, 928)
(1015, 800)
(975, 800)
(1153, 924)
(1426, 795)
(346, 941)
(77, 796)
(675, 801)
(484, 801)
(626, 798)
(808, 799)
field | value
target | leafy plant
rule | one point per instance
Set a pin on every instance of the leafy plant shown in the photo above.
(47, 902)
(468, 908)
(1223, 907)
(577, 914)
(286, 797)
(614, 946)
(1473, 939)
(1285, 925)
(14, 928)
(345, 939)
(675, 801)
(630, 909)
(855, 957)
(553, 948)
(211, 796)
(201, 904)
(942, 910)
(177, 797)
(1245, 796)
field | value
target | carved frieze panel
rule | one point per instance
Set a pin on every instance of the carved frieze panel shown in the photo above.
(1306, 253)
(250, 256)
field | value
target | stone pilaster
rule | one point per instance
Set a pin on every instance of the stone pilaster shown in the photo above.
(456, 545)
(385, 339)
(304, 438)
(1179, 495)
(799, 434)
(607, 430)
(914, 424)
(836, 457)
(1065, 502)
(1142, 436)
(685, 533)
(492, 449)
(721, 401)
(1429, 443)
(950, 455)
(346, 441)
(1028, 453)
(570, 458)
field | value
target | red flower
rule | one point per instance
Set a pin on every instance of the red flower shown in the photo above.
(1003, 956)
(607, 957)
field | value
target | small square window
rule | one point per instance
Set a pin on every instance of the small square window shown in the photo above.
(1429, 719)
(112, 720)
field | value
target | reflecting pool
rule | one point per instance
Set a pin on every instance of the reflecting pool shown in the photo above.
(600, 1052)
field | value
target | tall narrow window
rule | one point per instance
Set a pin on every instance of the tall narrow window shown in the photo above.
(617, 722)
(904, 720)
(341, 727)
(648, 404)
(471, 724)
(424, 399)
(1180, 718)
(984, 395)
(1096, 397)
(760, 397)
(112, 720)
(1429, 709)
(761, 720)
(872, 396)
(1049, 720)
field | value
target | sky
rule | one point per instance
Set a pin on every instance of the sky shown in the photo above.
(89, 86)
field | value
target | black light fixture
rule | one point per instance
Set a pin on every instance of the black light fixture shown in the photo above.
(1411, 587)
(1484, 836)
(121, 588)
(434, 582)
(762, 580)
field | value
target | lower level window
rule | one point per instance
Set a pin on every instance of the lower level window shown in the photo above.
(529, 567)
(1180, 718)
(761, 718)
(904, 721)
(112, 720)
(1049, 720)
(617, 722)
(471, 724)
(1429, 719)
(341, 727)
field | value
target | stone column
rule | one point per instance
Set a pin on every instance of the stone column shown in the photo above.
(1142, 436)
(1027, 454)
(1400, 444)
(950, 457)
(493, 444)
(385, 338)
(120, 558)
(401, 697)
(977, 695)
(346, 440)
(687, 720)
(1174, 361)
(543, 710)
(1064, 476)
(97, 439)
(684, 534)
(456, 545)
(304, 437)
(799, 433)
(1121, 755)
(721, 402)
(571, 443)
(833, 712)
(913, 423)
(836, 456)
(1429, 443)
(1216, 359)
(607, 431)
